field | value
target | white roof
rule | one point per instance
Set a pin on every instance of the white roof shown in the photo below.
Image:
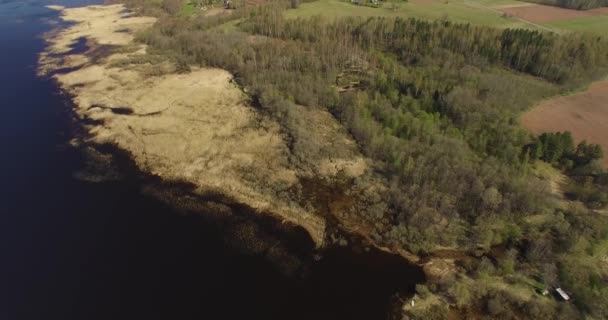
(563, 294)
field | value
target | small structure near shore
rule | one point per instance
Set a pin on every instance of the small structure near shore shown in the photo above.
(563, 294)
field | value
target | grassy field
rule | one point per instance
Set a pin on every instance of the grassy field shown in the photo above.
(598, 25)
(478, 12)
(453, 10)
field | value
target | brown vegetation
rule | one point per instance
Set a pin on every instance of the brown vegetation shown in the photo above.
(195, 127)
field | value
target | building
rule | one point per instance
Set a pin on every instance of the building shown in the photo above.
(563, 294)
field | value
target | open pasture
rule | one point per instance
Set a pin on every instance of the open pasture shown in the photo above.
(462, 11)
(494, 13)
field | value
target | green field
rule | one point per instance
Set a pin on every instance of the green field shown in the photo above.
(478, 12)
(453, 10)
(597, 24)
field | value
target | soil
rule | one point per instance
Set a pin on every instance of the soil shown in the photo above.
(584, 114)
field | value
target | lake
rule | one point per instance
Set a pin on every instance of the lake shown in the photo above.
(79, 248)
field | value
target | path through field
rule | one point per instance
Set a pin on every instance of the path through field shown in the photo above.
(502, 11)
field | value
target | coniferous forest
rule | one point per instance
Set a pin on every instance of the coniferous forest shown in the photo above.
(436, 105)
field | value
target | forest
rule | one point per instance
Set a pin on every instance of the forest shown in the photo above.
(573, 4)
(435, 104)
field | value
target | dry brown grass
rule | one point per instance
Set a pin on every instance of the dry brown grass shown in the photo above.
(195, 127)
(217, 12)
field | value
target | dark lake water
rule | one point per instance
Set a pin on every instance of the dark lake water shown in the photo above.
(72, 249)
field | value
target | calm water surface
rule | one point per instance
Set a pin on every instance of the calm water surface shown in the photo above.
(71, 249)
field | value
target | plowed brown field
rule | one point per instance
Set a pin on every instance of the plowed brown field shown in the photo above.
(584, 114)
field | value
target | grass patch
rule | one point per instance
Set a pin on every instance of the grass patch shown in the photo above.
(600, 249)
(230, 26)
(188, 9)
(545, 170)
(596, 24)
(538, 219)
(523, 288)
(531, 283)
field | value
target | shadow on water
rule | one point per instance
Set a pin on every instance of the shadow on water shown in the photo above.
(255, 266)
(116, 249)
(78, 47)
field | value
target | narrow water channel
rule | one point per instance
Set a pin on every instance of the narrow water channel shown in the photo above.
(71, 248)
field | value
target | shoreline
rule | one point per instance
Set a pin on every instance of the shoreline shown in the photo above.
(111, 61)
(79, 72)
(298, 193)
(94, 104)
(126, 121)
(82, 82)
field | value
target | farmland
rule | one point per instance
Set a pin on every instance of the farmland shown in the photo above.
(596, 24)
(584, 114)
(456, 11)
(544, 14)
(495, 13)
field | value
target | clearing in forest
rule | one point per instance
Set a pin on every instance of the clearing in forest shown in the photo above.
(584, 114)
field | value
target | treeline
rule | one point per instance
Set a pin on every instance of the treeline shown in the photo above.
(567, 59)
(581, 162)
(558, 148)
(574, 4)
